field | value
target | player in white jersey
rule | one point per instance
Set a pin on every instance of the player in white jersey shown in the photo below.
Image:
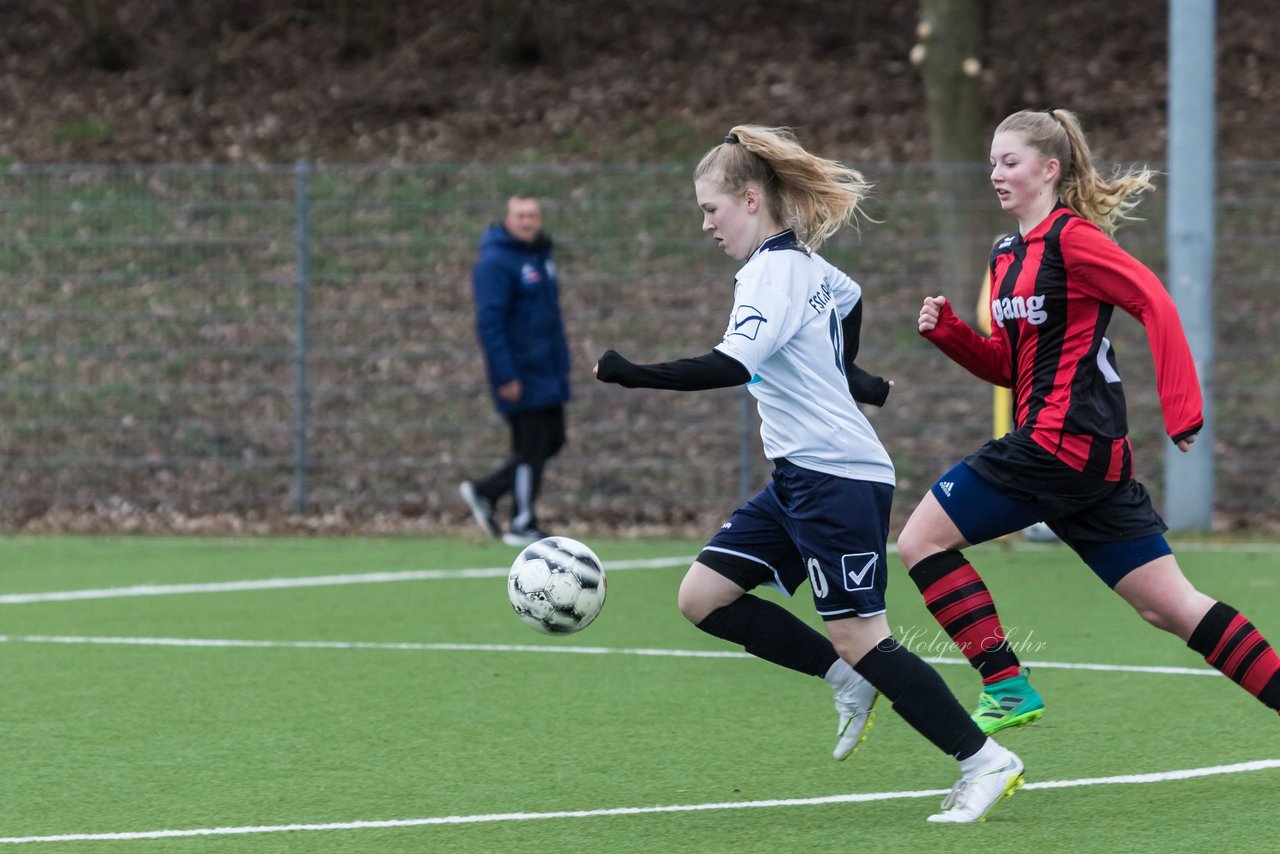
(788, 306)
(792, 338)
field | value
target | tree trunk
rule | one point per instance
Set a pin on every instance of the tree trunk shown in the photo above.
(947, 56)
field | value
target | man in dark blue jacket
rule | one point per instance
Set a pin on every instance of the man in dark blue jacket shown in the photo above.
(521, 331)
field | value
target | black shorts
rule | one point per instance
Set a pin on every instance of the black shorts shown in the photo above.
(810, 526)
(1040, 487)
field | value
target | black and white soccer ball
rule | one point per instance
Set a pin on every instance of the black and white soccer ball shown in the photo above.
(557, 585)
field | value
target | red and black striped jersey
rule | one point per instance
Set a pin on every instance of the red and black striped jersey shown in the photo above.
(1052, 296)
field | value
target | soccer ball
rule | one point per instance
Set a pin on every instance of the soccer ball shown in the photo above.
(1040, 533)
(556, 585)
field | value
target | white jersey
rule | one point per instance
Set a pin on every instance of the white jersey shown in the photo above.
(785, 329)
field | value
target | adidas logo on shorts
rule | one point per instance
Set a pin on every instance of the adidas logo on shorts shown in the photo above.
(946, 486)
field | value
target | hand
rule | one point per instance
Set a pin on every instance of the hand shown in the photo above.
(1185, 444)
(611, 368)
(868, 388)
(510, 391)
(929, 313)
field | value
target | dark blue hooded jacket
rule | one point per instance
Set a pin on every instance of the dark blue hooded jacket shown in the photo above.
(518, 319)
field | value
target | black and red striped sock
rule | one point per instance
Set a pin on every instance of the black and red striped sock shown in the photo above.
(1230, 643)
(962, 605)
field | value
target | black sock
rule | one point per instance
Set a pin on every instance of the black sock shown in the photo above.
(922, 699)
(773, 633)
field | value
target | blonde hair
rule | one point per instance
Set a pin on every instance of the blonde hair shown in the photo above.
(810, 194)
(1057, 134)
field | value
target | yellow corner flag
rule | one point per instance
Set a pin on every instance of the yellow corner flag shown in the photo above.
(1001, 407)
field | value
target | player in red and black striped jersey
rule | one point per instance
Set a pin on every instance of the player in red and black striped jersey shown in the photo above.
(1057, 287)
(1068, 462)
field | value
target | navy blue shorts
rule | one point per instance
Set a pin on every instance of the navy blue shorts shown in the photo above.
(806, 525)
(1012, 482)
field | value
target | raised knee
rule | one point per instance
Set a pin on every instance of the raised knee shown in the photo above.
(910, 551)
(913, 548)
(693, 607)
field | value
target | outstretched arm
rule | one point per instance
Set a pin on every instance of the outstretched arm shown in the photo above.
(713, 370)
(985, 358)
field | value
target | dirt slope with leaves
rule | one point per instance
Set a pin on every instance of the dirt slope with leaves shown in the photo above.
(509, 81)
(504, 80)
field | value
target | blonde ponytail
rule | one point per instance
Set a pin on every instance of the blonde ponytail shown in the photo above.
(810, 194)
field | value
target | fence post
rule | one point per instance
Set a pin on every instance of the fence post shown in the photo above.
(302, 286)
(745, 481)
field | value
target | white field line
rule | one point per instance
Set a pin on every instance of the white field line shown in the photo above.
(437, 574)
(232, 643)
(307, 581)
(489, 818)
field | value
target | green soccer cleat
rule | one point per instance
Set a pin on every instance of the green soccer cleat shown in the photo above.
(1009, 702)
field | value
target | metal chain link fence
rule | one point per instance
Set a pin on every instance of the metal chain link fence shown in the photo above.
(292, 347)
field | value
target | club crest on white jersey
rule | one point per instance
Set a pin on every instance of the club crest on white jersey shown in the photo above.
(746, 322)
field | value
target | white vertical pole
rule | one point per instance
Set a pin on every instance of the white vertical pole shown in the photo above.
(1189, 240)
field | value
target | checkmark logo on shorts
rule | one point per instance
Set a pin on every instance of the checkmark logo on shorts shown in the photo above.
(859, 570)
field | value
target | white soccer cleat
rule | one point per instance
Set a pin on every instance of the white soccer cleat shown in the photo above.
(522, 537)
(481, 508)
(971, 800)
(856, 707)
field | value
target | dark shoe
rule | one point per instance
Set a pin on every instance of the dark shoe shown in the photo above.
(481, 509)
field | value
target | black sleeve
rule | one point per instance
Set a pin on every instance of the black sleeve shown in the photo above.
(851, 330)
(714, 370)
(865, 387)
